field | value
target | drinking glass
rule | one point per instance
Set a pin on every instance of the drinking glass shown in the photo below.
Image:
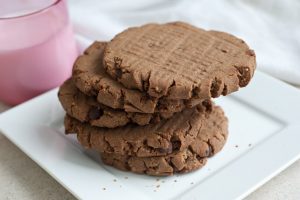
(37, 48)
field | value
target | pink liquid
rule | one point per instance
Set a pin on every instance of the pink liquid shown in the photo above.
(30, 71)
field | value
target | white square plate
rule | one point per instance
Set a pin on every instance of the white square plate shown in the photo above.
(263, 139)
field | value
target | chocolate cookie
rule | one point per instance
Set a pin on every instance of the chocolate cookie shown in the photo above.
(179, 61)
(180, 162)
(166, 137)
(210, 140)
(90, 77)
(86, 109)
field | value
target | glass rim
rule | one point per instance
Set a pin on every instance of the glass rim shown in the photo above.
(32, 13)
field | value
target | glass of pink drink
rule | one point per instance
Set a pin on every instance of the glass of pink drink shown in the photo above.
(37, 48)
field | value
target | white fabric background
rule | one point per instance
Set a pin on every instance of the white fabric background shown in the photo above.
(270, 27)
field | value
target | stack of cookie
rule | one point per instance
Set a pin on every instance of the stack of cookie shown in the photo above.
(143, 100)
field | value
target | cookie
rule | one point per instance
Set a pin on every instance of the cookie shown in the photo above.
(86, 109)
(90, 77)
(180, 162)
(179, 61)
(190, 128)
(210, 140)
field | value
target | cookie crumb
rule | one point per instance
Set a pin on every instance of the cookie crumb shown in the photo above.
(157, 179)
(236, 146)
(192, 183)
(158, 186)
(249, 145)
(115, 180)
(175, 180)
(103, 188)
(126, 177)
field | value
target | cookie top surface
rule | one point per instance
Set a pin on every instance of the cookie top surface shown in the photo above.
(90, 77)
(179, 61)
(190, 128)
(86, 109)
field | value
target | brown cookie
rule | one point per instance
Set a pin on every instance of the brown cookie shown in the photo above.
(210, 140)
(90, 77)
(166, 137)
(180, 162)
(86, 109)
(179, 61)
